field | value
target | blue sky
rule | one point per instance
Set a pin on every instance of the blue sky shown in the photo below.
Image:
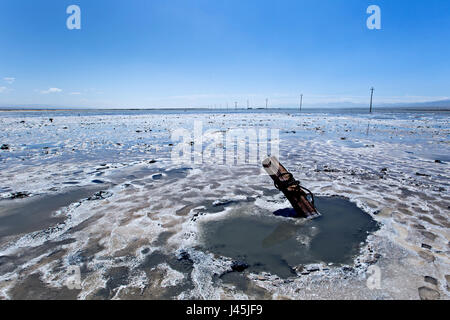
(199, 53)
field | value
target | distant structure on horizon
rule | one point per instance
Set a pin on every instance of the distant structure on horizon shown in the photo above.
(301, 101)
(371, 98)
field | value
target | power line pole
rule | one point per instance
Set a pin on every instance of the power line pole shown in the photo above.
(248, 104)
(235, 105)
(371, 98)
(301, 101)
(267, 102)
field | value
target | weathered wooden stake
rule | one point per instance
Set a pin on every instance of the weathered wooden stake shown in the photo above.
(291, 188)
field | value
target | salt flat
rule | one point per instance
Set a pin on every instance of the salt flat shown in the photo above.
(138, 234)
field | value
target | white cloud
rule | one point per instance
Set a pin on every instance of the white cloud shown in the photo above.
(51, 90)
(75, 93)
(2, 89)
(9, 80)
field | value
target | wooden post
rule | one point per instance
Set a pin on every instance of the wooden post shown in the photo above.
(291, 188)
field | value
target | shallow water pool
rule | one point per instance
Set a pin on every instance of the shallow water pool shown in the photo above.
(276, 244)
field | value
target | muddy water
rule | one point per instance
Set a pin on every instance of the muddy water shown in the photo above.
(277, 244)
(37, 213)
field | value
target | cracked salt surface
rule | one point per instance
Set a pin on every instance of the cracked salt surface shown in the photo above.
(142, 241)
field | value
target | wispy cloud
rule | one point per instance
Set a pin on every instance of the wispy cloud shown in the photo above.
(2, 89)
(75, 93)
(51, 90)
(9, 80)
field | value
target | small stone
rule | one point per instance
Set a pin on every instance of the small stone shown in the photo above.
(312, 268)
(429, 235)
(19, 195)
(438, 161)
(428, 257)
(4, 147)
(305, 273)
(431, 280)
(101, 195)
(347, 269)
(422, 174)
(239, 266)
(184, 256)
(426, 246)
(426, 293)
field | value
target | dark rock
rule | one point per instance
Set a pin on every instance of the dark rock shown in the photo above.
(152, 161)
(438, 161)
(239, 266)
(347, 269)
(184, 256)
(19, 195)
(101, 195)
(426, 246)
(4, 147)
(422, 174)
(431, 280)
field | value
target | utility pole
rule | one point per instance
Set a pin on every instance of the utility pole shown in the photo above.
(235, 105)
(267, 102)
(301, 101)
(371, 98)
(248, 104)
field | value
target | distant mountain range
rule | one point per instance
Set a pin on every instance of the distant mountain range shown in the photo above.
(440, 105)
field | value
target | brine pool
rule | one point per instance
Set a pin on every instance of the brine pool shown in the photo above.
(275, 243)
